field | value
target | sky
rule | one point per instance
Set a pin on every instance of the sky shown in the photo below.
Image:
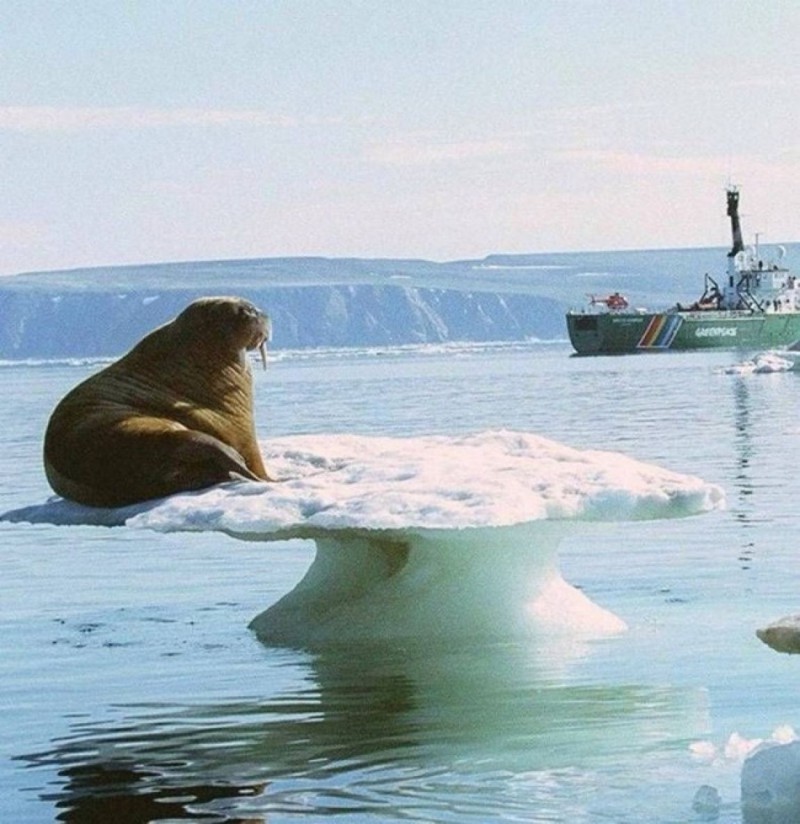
(139, 131)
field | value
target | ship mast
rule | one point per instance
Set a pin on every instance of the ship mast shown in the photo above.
(732, 297)
(733, 214)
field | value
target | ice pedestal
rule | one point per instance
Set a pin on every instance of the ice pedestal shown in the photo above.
(438, 537)
(470, 583)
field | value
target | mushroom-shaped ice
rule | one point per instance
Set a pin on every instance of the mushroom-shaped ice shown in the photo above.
(437, 536)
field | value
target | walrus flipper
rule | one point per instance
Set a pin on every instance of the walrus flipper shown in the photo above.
(203, 460)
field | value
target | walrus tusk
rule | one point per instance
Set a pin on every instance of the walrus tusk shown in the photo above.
(267, 336)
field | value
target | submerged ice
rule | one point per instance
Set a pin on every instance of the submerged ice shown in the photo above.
(436, 536)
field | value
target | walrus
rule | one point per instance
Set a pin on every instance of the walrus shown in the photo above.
(174, 414)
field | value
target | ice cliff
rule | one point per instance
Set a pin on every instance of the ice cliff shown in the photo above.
(44, 316)
(317, 301)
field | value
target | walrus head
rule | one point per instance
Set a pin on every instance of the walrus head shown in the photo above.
(238, 324)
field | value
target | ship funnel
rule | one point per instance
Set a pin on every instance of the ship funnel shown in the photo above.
(733, 214)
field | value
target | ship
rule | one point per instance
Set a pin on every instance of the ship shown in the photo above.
(757, 306)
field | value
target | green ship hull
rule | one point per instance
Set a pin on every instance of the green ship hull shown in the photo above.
(618, 333)
(755, 306)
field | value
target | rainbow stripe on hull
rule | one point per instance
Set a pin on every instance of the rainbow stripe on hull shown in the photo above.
(660, 331)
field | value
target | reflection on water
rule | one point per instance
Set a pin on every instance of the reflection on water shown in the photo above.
(743, 438)
(762, 451)
(743, 444)
(106, 792)
(375, 730)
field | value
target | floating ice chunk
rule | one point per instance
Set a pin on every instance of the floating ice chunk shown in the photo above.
(766, 363)
(783, 734)
(782, 635)
(771, 785)
(435, 536)
(736, 748)
(705, 751)
(706, 802)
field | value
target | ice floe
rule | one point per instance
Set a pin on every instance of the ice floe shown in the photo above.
(440, 536)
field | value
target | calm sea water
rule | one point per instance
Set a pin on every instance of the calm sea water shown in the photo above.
(132, 690)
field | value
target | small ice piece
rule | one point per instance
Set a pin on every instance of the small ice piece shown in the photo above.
(765, 363)
(704, 751)
(707, 802)
(737, 747)
(784, 734)
(782, 635)
(771, 785)
(772, 362)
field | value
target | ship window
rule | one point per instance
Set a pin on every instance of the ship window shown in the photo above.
(586, 323)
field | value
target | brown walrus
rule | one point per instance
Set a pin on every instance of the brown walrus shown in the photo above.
(174, 414)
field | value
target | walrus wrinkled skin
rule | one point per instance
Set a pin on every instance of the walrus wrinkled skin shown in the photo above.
(174, 414)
